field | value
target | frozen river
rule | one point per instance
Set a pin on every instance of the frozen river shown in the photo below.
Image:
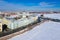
(46, 31)
(54, 16)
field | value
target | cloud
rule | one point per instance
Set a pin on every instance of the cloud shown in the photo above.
(45, 4)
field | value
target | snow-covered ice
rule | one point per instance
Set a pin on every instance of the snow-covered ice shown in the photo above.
(55, 16)
(46, 31)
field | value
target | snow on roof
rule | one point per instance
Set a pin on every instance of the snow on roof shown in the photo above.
(55, 16)
(46, 31)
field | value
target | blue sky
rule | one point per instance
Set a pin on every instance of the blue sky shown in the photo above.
(29, 5)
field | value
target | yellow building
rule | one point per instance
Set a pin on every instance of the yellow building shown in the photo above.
(3, 21)
(0, 27)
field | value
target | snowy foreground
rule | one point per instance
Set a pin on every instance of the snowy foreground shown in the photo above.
(46, 31)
